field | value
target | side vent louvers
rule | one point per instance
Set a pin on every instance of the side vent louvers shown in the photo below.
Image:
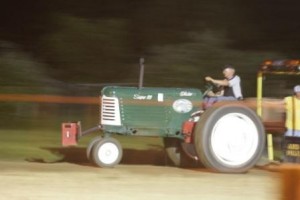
(110, 111)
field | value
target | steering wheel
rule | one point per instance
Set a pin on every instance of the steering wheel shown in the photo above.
(209, 87)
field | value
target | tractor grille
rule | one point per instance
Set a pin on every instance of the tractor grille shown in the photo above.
(110, 111)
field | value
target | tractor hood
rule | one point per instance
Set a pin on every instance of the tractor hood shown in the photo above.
(149, 108)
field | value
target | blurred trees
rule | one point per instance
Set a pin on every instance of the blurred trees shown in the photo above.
(182, 41)
(87, 50)
(20, 71)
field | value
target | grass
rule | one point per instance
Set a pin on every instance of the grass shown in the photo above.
(45, 145)
(24, 144)
(31, 131)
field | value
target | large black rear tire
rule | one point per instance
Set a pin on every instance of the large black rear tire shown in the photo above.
(229, 138)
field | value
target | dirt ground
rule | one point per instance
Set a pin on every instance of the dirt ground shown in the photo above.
(26, 180)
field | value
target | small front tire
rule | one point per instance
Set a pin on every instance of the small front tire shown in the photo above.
(107, 153)
(90, 146)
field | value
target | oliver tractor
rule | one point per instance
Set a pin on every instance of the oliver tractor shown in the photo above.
(228, 137)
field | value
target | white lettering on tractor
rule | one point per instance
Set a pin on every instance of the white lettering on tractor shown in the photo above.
(185, 94)
(149, 97)
(160, 97)
(141, 97)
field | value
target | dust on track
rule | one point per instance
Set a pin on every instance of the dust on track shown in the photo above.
(61, 181)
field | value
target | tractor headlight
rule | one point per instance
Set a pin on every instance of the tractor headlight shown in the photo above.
(182, 105)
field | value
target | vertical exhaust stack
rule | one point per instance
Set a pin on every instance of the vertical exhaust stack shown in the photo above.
(141, 78)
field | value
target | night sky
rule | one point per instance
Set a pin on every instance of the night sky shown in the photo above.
(182, 41)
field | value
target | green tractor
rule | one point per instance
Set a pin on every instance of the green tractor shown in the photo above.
(228, 137)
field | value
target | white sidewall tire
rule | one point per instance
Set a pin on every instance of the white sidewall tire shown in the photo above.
(240, 142)
(229, 138)
(107, 152)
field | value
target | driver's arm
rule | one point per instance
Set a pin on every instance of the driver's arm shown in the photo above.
(216, 94)
(223, 82)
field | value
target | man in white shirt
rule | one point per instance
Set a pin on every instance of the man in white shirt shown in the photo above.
(231, 87)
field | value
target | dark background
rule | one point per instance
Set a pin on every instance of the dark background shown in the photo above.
(74, 48)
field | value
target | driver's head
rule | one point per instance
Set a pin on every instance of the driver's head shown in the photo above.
(228, 71)
(297, 91)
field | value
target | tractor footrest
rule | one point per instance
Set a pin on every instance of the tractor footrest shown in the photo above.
(70, 132)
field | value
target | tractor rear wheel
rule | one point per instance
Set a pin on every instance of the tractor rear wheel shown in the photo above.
(229, 138)
(107, 152)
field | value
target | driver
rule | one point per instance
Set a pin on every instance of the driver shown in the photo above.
(231, 87)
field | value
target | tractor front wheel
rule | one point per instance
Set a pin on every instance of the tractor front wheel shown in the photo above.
(90, 146)
(107, 152)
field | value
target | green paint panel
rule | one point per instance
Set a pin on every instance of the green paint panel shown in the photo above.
(153, 111)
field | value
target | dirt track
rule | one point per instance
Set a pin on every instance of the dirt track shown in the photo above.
(61, 181)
